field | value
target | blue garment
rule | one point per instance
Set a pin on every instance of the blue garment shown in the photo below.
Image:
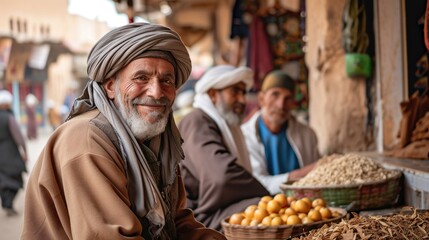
(280, 156)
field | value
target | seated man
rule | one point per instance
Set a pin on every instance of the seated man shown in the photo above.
(216, 170)
(280, 147)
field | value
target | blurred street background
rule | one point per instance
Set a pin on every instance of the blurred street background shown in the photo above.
(10, 227)
(351, 106)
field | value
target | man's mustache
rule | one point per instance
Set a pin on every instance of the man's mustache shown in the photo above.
(151, 101)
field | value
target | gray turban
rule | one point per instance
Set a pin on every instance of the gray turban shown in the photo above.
(124, 44)
(109, 55)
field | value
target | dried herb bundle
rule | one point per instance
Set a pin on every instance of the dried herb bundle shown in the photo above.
(411, 225)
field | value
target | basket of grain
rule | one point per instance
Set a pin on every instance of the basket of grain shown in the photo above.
(349, 181)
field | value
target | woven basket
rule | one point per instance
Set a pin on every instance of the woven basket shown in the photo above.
(354, 197)
(238, 232)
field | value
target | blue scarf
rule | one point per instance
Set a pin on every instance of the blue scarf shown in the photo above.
(279, 154)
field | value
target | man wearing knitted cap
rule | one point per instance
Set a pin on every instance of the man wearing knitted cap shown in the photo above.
(216, 170)
(111, 170)
(280, 147)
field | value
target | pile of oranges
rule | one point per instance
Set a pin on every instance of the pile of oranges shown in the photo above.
(281, 210)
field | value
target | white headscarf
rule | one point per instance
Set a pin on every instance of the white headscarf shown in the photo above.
(220, 77)
(5, 97)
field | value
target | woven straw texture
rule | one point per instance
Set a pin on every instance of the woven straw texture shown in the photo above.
(355, 197)
(237, 232)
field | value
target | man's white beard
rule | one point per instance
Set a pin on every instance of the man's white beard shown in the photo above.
(230, 116)
(141, 129)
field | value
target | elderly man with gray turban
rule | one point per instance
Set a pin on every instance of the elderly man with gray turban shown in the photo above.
(216, 170)
(111, 170)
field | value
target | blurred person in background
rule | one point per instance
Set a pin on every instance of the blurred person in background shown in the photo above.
(30, 110)
(183, 104)
(111, 170)
(280, 147)
(54, 117)
(13, 154)
(216, 170)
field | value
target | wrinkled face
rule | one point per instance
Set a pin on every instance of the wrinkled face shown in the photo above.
(230, 102)
(276, 104)
(144, 92)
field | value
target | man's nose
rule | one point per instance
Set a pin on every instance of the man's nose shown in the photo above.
(241, 98)
(155, 89)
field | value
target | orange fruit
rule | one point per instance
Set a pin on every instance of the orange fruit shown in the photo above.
(290, 199)
(284, 218)
(307, 200)
(273, 206)
(267, 221)
(293, 219)
(292, 204)
(248, 212)
(282, 199)
(325, 212)
(254, 222)
(318, 202)
(282, 211)
(262, 204)
(302, 215)
(236, 218)
(301, 206)
(245, 222)
(289, 211)
(266, 198)
(260, 213)
(277, 221)
(314, 215)
(306, 220)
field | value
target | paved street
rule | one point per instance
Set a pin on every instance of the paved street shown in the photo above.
(10, 227)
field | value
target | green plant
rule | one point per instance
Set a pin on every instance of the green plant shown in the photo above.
(355, 37)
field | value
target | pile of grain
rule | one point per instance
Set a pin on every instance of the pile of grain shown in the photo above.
(338, 170)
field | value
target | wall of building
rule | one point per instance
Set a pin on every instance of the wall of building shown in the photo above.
(338, 110)
(48, 20)
(337, 104)
(390, 71)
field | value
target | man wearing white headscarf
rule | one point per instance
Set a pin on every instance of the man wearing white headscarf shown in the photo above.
(111, 170)
(216, 170)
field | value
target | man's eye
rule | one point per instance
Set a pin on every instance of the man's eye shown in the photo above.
(141, 78)
(168, 82)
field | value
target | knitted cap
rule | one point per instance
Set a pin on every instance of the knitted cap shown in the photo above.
(278, 78)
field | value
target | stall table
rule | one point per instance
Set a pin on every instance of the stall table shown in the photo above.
(415, 190)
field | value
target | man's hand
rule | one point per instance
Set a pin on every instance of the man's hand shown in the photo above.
(299, 173)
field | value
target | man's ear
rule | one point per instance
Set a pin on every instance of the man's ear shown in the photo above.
(110, 87)
(260, 97)
(212, 94)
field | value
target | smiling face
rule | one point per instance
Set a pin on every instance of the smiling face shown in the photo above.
(144, 93)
